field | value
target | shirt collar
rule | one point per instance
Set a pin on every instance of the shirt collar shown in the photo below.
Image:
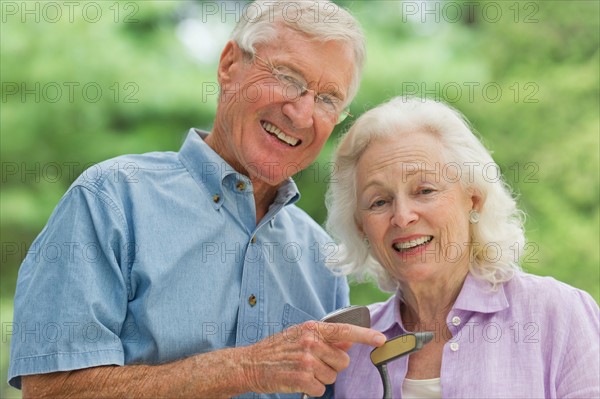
(209, 169)
(287, 193)
(387, 316)
(476, 295)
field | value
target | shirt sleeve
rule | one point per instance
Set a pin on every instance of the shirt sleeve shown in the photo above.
(71, 295)
(579, 375)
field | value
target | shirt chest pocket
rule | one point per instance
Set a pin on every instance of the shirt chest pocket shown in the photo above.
(292, 316)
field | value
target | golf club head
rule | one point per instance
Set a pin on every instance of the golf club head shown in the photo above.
(399, 346)
(355, 315)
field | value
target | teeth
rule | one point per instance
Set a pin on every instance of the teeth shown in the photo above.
(412, 243)
(275, 131)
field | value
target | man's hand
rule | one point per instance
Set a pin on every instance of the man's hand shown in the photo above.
(303, 358)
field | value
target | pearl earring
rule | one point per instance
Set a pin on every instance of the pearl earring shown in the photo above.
(473, 216)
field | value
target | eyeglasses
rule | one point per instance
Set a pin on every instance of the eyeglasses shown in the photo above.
(293, 86)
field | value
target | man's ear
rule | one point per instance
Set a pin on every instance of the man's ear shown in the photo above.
(230, 60)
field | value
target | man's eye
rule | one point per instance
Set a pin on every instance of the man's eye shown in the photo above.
(328, 100)
(290, 80)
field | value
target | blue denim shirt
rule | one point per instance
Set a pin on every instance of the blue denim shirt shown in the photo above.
(155, 257)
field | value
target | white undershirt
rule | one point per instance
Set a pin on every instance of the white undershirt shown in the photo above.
(431, 388)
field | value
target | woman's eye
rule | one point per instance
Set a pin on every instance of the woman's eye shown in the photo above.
(378, 203)
(426, 191)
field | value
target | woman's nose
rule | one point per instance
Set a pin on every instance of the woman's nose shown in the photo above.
(404, 214)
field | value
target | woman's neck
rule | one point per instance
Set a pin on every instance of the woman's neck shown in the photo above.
(427, 303)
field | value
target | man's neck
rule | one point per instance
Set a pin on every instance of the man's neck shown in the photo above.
(264, 195)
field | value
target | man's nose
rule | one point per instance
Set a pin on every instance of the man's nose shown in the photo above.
(301, 110)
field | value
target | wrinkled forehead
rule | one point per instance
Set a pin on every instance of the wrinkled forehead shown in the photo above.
(403, 154)
(324, 62)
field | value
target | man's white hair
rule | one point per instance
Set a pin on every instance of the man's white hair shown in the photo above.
(320, 20)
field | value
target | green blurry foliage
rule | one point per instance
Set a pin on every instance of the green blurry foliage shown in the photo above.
(543, 128)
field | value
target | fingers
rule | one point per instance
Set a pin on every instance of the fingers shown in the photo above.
(328, 342)
(345, 346)
(328, 358)
(325, 371)
(340, 332)
(304, 357)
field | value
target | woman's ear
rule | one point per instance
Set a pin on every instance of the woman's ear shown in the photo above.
(231, 56)
(476, 200)
(358, 225)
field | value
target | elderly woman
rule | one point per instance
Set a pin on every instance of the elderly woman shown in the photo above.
(419, 205)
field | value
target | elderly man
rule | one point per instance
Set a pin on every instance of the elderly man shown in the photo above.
(193, 271)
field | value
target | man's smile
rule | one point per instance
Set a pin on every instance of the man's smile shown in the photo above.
(276, 132)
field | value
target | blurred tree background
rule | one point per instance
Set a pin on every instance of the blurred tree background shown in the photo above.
(86, 81)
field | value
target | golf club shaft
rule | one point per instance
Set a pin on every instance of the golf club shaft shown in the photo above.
(387, 387)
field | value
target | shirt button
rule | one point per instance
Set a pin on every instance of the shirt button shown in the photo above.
(456, 321)
(216, 198)
(252, 300)
(253, 240)
(454, 346)
(240, 186)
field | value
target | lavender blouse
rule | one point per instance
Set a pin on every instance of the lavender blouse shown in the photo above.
(534, 337)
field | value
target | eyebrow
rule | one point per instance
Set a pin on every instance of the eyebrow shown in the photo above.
(414, 167)
(410, 174)
(370, 184)
(421, 171)
(335, 92)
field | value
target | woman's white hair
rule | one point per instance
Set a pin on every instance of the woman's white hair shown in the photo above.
(320, 20)
(497, 240)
